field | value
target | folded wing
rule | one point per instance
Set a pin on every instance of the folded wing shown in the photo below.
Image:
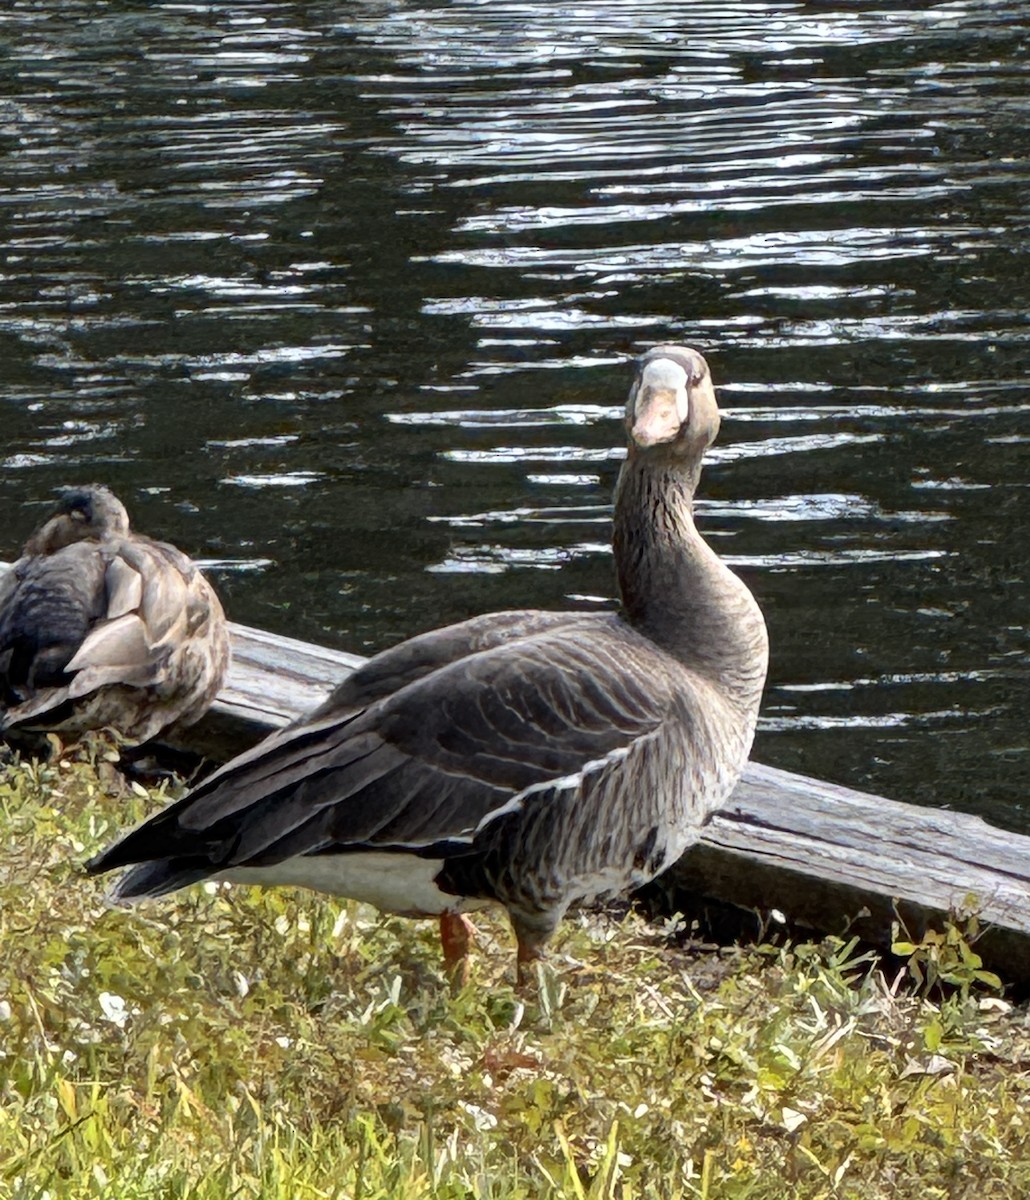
(422, 767)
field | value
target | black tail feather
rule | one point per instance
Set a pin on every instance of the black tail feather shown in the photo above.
(149, 880)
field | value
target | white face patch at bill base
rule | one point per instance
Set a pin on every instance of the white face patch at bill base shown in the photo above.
(665, 374)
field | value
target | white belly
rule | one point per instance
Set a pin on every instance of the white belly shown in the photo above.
(394, 883)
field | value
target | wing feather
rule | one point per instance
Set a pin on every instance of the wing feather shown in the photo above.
(118, 644)
(124, 588)
(164, 572)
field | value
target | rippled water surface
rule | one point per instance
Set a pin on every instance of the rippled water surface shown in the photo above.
(341, 298)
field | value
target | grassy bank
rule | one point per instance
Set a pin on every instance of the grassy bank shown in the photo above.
(236, 1043)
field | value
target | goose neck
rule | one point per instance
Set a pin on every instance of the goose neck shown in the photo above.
(674, 587)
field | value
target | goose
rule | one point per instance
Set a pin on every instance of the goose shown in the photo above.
(102, 628)
(532, 760)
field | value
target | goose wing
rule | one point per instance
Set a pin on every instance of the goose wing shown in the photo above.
(144, 619)
(423, 766)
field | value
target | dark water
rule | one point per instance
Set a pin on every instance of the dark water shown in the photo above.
(341, 297)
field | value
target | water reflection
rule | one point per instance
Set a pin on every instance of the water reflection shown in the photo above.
(341, 299)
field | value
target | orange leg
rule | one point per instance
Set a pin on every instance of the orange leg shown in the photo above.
(526, 954)
(456, 935)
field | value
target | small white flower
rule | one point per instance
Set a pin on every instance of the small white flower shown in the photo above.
(5, 1011)
(482, 1119)
(792, 1119)
(114, 1009)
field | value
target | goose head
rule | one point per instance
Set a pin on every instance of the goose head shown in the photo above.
(83, 514)
(671, 412)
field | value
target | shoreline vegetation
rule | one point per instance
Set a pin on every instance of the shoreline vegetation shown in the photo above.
(235, 1042)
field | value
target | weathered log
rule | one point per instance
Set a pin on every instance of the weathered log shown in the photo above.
(834, 860)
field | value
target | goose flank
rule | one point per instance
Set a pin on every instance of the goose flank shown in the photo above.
(101, 627)
(529, 759)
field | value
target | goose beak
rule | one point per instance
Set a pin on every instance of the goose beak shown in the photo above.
(661, 405)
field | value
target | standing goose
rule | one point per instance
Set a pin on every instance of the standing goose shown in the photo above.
(529, 759)
(102, 627)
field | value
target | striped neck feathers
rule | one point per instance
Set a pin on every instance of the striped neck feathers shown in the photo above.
(674, 587)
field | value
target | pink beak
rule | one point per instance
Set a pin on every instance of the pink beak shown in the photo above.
(658, 418)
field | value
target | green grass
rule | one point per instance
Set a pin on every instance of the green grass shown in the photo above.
(233, 1043)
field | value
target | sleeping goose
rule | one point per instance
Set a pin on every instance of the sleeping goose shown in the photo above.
(533, 760)
(103, 628)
